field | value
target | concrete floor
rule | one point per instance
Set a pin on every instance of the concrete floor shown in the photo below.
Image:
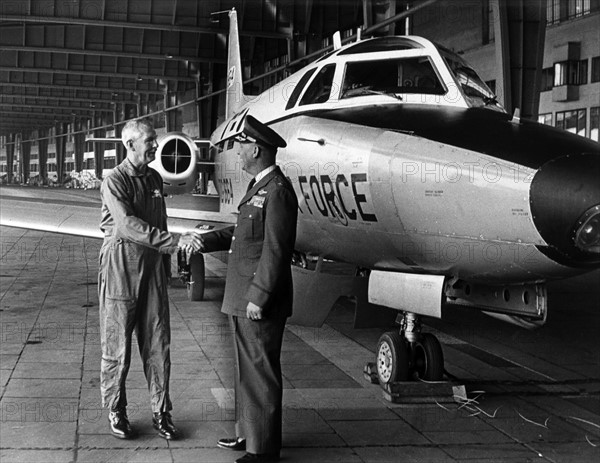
(536, 393)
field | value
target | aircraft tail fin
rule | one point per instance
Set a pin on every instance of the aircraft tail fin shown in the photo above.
(234, 96)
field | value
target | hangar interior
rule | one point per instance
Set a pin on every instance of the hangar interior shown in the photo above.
(76, 68)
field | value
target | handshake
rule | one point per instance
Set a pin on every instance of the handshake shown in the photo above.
(191, 242)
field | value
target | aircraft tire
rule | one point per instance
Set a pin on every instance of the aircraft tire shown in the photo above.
(195, 287)
(428, 358)
(392, 358)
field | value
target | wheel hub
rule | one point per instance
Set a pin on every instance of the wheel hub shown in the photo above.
(384, 362)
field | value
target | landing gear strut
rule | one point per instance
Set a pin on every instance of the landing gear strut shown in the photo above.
(409, 354)
(192, 274)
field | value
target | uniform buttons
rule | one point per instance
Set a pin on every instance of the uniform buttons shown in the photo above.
(250, 216)
(230, 251)
(233, 238)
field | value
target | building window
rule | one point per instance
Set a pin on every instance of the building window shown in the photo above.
(560, 10)
(595, 123)
(552, 12)
(578, 8)
(547, 79)
(545, 119)
(110, 163)
(596, 69)
(572, 121)
(570, 73)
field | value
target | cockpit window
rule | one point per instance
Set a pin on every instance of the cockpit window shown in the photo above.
(476, 91)
(391, 76)
(319, 89)
(392, 43)
(298, 89)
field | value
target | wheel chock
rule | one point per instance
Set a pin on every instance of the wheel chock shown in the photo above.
(415, 391)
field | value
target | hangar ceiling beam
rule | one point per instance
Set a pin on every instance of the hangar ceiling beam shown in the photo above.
(90, 95)
(22, 97)
(28, 121)
(98, 73)
(69, 114)
(120, 54)
(15, 106)
(20, 118)
(134, 25)
(74, 87)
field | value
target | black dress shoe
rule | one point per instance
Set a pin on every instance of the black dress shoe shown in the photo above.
(236, 443)
(163, 423)
(258, 458)
(119, 424)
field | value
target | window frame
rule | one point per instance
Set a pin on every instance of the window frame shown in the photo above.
(595, 71)
(570, 72)
(548, 119)
(306, 98)
(561, 124)
(594, 123)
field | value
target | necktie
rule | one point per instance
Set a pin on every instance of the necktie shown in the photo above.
(251, 184)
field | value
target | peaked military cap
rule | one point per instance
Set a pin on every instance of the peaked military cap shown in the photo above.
(256, 132)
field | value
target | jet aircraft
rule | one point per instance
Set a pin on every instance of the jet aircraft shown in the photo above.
(407, 168)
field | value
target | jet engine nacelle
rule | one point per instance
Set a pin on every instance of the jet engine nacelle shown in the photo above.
(176, 158)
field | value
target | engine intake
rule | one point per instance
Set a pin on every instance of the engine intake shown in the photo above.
(176, 159)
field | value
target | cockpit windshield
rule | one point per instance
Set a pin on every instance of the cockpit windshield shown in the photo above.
(391, 77)
(476, 91)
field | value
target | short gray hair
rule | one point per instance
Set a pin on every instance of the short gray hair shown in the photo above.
(134, 129)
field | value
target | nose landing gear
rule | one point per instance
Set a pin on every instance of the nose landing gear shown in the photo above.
(409, 354)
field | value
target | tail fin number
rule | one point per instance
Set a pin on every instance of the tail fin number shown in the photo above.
(231, 77)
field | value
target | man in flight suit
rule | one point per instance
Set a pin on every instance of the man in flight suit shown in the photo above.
(132, 280)
(258, 290)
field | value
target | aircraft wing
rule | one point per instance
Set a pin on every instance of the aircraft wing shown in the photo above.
(76, 212)
(70, 219)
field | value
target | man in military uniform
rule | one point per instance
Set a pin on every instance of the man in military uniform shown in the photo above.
(132, 280)
(258, 290)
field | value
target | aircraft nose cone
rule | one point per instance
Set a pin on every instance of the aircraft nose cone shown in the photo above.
(565, 202)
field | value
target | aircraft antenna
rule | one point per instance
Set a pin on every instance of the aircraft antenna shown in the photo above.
(337, 40)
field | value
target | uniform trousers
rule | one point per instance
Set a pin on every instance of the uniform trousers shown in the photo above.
(132, 289)
(258, 382)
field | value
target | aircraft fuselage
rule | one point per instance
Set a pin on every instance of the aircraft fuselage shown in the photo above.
(402, 160)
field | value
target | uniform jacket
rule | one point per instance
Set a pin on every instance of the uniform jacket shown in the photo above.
(261, 246)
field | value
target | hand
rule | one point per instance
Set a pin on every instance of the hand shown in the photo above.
(254, 312)
(191, 242)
